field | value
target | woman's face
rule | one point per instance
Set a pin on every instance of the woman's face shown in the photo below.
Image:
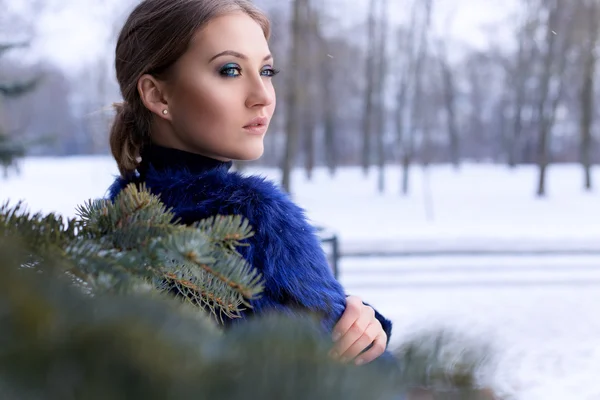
(220, 95)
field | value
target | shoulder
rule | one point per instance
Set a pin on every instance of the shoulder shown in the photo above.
(268, 208)
(192, 196)
(259, 191)
(259, 199)
(116, 187)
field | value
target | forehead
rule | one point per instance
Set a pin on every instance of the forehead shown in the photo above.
(233, 31)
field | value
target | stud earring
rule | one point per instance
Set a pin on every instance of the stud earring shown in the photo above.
(165, 111)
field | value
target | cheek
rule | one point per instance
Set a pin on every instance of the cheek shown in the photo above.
(204, 107)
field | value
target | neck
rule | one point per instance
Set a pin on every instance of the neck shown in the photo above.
(161, 158)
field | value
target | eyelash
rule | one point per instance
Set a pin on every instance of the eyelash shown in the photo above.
(228, 67)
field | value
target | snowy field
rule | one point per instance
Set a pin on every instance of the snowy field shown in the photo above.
(486, 256)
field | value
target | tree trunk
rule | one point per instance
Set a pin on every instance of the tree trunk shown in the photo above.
(329, 110)
(416, 105)
(309, 120)
(547, 115)
(402, 101)
(368, 110)
(326, 73)
(542, 159)
(450, 103)
(309, 124)
(587, 95)
(381, 82)
(406, 161)
(293, 96)
(544, 88)
(520, 77)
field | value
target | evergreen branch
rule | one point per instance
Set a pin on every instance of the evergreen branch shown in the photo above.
(108, 269)
(191, 261)
(443, 359)
(198, 295)
(132, 207)
(57, 341)
(42, 233)
(226, 231)
(192, 246)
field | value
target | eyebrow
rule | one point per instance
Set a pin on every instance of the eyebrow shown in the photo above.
(237, 55)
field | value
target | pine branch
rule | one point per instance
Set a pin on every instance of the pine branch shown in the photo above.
(134, 216)
(198, 262)
(136, 241)
(226, 232)
(444, 360)
(108, 270)
(193, 247)
(59, 343)
(43, 234)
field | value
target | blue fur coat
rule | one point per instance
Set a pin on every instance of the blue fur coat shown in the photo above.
(284, 248)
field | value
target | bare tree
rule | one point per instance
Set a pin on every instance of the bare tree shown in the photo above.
(368, 117)
(310, 101)
(326, 73)
(519, 75)
(380, 125)
(553, 67)
(329, 110)
(590, 9)
(449, 98)
(416, 69)
(294, 93)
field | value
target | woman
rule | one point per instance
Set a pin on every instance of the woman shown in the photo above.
(195, 76)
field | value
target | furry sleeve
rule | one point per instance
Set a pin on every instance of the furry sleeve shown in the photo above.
(288, 251)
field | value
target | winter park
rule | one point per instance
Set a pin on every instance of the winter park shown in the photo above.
(446, 155)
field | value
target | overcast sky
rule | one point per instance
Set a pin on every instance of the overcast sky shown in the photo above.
(73, 33)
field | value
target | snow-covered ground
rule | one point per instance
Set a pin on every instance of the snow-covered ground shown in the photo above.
(540, 309)
(541, 313)
(480, 206)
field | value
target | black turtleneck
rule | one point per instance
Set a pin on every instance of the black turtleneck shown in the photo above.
(163, 158)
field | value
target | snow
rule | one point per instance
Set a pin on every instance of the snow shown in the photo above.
(544, 325)
(474, 249)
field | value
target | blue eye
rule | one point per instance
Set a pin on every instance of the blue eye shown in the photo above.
(269, 72)
(230, 70)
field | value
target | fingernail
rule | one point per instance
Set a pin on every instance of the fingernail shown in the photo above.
(343, 360)
(333, 354)
(359, 361)
(336, 336)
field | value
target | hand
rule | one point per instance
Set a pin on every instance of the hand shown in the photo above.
(355, 331)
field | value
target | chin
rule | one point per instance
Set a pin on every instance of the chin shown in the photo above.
(249, 154)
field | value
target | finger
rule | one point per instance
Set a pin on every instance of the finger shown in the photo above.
(353, 334)
(375, 351)
(349, 317)
(368, 337)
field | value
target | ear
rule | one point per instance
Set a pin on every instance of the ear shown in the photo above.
(151, 92)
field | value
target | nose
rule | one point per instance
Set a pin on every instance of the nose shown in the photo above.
(260, 92)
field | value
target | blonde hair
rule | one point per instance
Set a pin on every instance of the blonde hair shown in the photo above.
(156, 34)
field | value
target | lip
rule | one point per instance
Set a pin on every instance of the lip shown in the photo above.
(257, 125)
(258, 122)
